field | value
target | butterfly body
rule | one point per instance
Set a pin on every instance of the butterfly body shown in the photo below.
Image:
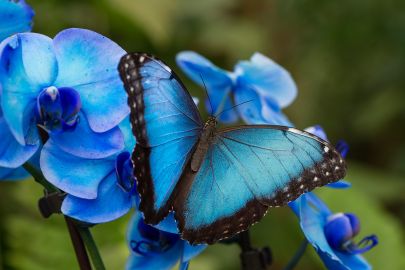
(205, 140)
(217, 182)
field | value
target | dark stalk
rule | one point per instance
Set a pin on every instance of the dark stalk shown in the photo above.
(297, 256)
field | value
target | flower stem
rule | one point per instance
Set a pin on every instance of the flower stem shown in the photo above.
(39, 177)
(91, 248)
(297, 256)
(81, 237)
(78, 244)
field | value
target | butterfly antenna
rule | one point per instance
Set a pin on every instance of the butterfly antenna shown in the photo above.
(206, 92)
(233, 107)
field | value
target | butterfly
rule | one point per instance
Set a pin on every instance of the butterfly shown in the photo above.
(216, 182)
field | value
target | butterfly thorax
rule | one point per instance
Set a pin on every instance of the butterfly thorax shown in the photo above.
(206, 138)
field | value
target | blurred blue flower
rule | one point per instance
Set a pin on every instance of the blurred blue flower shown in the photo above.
(152, 248)
(15, 17)
(70, 87)
(260, 82)
(332, 234)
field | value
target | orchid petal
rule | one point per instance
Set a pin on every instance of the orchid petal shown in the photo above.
(267, 78)
(72, 174)
(15, 17)
(85, 143)
(13, 154)
(88, 63)
(111, 203)
(27, 65)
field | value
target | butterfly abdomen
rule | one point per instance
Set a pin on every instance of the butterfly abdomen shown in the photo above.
(206, 138)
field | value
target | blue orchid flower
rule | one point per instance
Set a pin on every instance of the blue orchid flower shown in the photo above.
(332, 235)
(152, 248)
(68, 86)
(260, 82)
(15, 17)
(108, 180)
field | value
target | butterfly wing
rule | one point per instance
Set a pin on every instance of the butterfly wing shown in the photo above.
(248, 169)
(166, 124)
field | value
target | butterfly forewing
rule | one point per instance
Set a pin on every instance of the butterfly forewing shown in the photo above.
(166, 124)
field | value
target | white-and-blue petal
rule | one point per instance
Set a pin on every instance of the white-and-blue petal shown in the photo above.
(13, 154)
(111, 203)
(77, 176)
(267, 78)
(27, 65)
(88, 63)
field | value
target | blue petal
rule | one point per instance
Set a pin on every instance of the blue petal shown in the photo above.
(258, 109)
(13, 154)
(152, 261)
(7, 174)
(201, 71)
(111, 203)
(77, 176)
(312, 222)
(345, 262)
(341, 184)
(27, 65)
(129, 137)
(267, 78)
(88, 63)
(191, 251)
(15, 17)
(85, 143)
(218, 82)
(168, 224)
(338, 230)
(318, 131)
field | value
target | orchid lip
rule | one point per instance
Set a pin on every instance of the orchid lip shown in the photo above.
(340, 230)
(153, 240)
(363, 246)
(58, 109)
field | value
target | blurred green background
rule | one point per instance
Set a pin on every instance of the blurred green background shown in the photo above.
(348, 59)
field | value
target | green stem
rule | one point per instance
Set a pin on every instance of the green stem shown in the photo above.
(297, 256)
(91, 248)
(84, 232)
(39, 177)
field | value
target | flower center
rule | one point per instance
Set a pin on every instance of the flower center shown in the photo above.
(153, 240)
(58, 109)
(340, 230)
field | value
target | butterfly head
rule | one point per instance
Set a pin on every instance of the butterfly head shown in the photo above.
(211, 122)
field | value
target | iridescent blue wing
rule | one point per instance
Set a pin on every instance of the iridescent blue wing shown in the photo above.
(166, 124)
(248, 169)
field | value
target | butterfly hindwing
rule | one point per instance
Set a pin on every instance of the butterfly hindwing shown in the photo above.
(248, 169)
(166, 124)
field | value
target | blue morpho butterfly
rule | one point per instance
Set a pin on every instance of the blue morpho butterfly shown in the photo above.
(217, 182)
